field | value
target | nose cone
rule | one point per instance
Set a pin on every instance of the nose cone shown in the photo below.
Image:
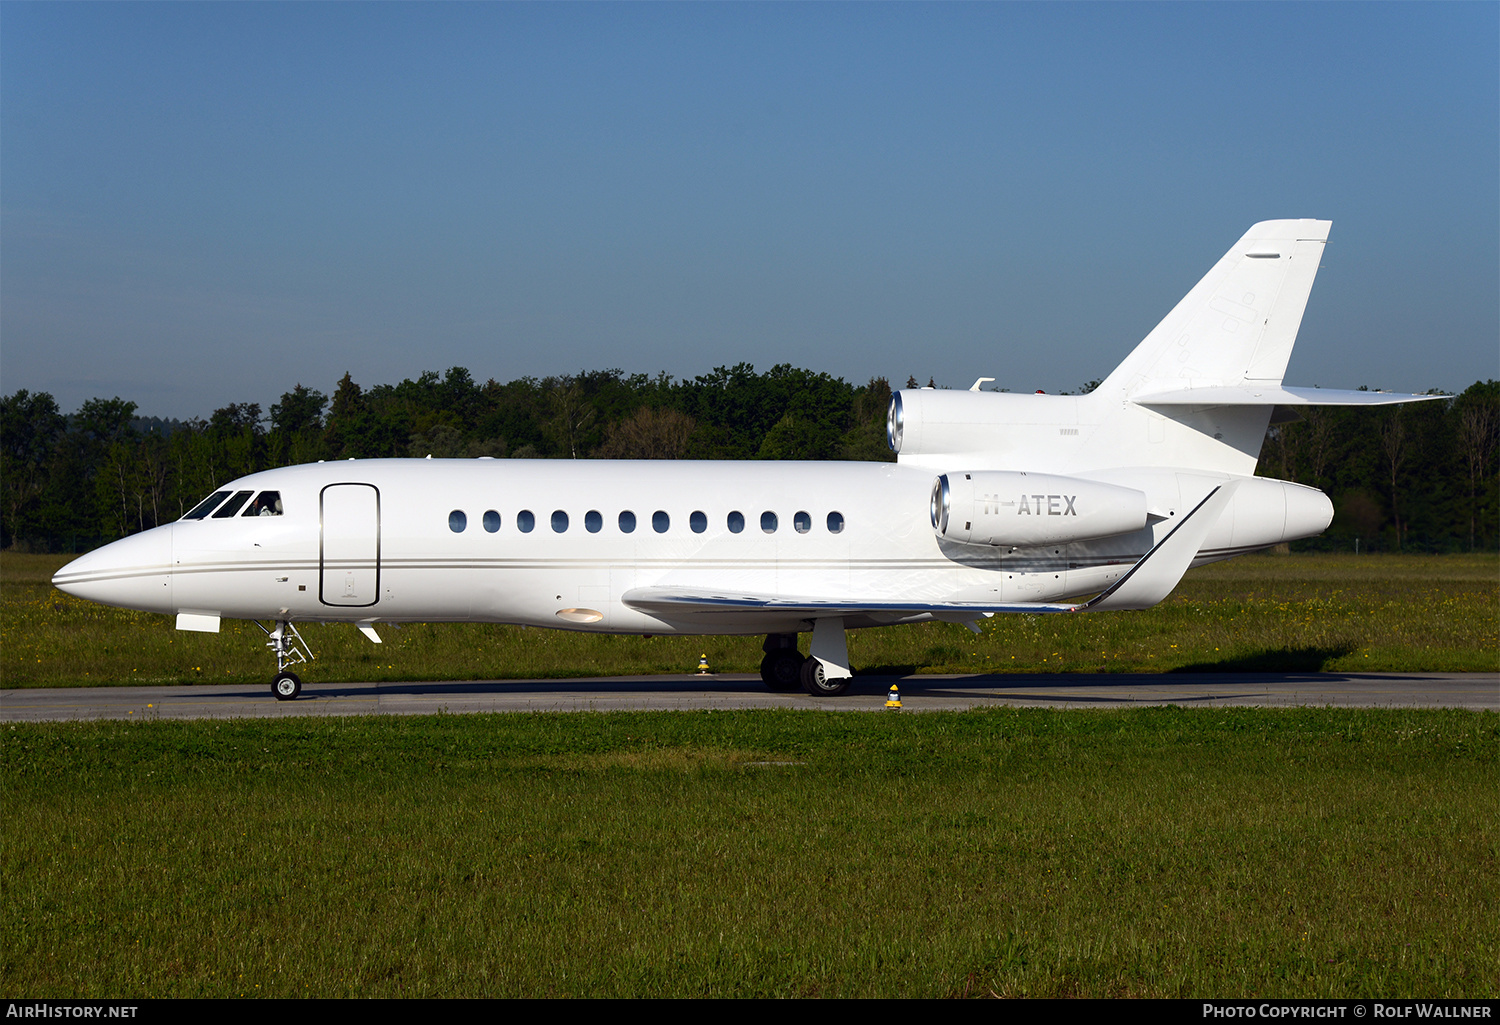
(132, 573)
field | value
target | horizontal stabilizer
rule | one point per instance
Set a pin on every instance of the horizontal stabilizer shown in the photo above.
(1274, 395)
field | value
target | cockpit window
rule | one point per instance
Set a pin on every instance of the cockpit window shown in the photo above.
(206, 506)
(233, 505)
(267, 503)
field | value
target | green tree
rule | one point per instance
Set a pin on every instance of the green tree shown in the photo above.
(296, 434)
(30, 428)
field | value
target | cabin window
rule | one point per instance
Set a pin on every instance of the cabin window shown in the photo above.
(233, 505)
(457, 521)
(803, 522)
(206, 506)
(627, 522)
(660, 521)
(267, 503)
(525, 521)
(592, 521)
(736, 522)
(491, 521)
(559, 522)
(698, 522)
(768, 522)
(835, 523)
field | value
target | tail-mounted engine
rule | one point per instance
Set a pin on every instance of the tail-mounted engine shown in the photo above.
(1005, 507)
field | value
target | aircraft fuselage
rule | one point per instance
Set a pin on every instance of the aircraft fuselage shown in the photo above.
(407, 540)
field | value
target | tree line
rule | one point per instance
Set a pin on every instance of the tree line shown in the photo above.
(1420, 477)
(71, 482)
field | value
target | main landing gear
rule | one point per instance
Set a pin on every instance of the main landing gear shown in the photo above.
(825, 674)
(781, 669)
(290, 649)
(817, 682)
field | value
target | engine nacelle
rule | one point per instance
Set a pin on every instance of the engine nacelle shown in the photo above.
(1007, 507)
(937, 422)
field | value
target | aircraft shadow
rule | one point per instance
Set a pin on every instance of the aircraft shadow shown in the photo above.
(1277, 660)
(1022, 686)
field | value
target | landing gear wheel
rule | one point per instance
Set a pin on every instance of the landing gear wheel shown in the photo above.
(782, 670)
(816, 682)
(286, 686)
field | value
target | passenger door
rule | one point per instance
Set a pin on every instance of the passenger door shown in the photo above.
(349, 549)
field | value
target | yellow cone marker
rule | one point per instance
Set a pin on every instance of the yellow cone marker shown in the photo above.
(893, 699)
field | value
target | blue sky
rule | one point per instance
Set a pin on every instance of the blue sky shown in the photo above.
(208, 203)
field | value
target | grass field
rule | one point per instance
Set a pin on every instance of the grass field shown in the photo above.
(1151, 852)
(1146, 852)
(1300, 612)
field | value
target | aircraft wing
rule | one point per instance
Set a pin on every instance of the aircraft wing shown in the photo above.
(1152, 579)
(1143, 585)
(679, 600)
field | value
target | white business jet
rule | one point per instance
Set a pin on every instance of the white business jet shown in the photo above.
(997, 503)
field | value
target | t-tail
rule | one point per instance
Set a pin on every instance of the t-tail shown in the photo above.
(1196, 394)
(1182, 418)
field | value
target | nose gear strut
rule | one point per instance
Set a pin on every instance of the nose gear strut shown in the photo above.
(290, 649)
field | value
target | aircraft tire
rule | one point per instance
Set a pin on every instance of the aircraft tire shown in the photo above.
(782, 670)
(817, 683)
(286, 686)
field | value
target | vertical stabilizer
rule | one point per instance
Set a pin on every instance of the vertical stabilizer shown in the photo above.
(1197, 393)
(1238, 325)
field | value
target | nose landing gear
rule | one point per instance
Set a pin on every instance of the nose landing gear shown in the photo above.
(290, 650)
(286, 686)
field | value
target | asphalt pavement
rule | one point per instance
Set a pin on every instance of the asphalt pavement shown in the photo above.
(737, 690)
